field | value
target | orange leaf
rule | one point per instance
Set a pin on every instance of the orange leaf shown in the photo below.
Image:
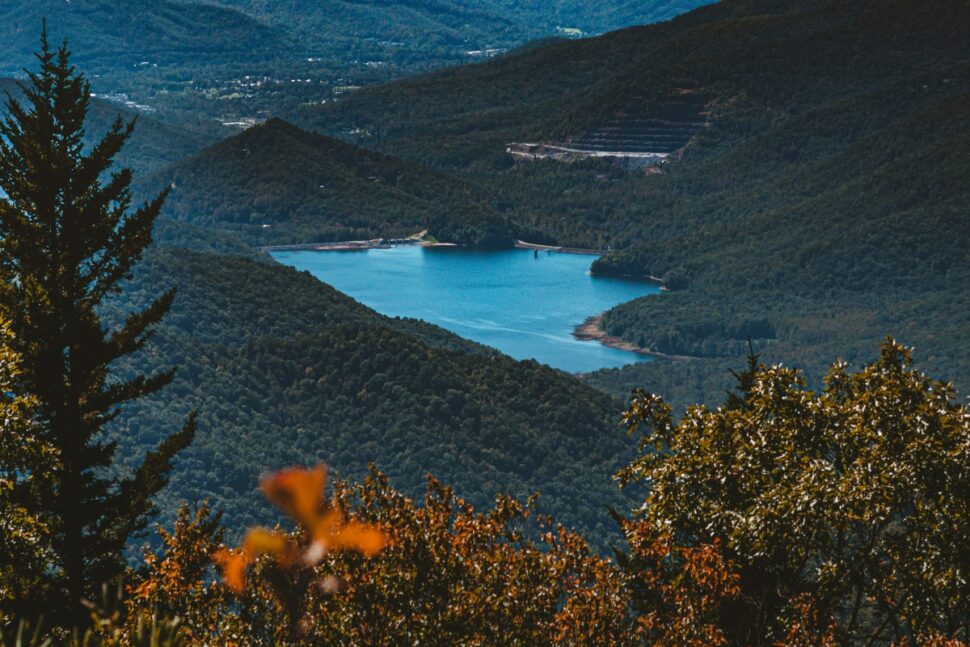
(334, 534)
(298, 492)
(368, 540)
(234, 563)
(260, 541)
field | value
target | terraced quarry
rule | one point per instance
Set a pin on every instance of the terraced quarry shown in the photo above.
(641, 132)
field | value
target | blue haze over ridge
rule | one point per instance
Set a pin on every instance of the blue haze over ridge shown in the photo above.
(522, 304)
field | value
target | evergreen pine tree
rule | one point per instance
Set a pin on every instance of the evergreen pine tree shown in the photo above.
(67, 240)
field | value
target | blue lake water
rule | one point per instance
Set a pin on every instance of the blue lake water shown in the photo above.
(523, 305)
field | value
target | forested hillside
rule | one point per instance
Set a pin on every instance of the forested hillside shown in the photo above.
(594, 18)
(217, 67)
(399, 29)
(285, 370)
(231, 61)
(822, 207)
(275, 183)
(403, 32)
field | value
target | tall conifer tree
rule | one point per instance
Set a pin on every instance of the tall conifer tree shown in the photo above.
(68, 238)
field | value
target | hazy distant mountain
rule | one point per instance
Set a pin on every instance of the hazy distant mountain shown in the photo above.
(124, 34)
(200, 32)
(435, 25)
(370, 24)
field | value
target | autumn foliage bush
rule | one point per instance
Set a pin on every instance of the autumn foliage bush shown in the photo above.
(448, 575)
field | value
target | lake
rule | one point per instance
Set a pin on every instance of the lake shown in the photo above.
(522, 304)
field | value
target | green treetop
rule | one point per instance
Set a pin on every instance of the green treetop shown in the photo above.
(853, 501)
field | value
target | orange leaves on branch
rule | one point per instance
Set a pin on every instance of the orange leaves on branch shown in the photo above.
(808, 627)
(299, 493)
(233, 564)
(458, 576)
(686, 589)
(332, 532)
(176, 582)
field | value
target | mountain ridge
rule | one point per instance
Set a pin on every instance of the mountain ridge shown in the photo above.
(277, 184)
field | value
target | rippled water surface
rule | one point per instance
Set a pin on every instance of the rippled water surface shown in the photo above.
(524, 304)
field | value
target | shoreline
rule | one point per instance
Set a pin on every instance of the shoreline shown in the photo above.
(353, 245)
(638, 277)
(521, 244)
(419, 240)
(592, 330)
(341, 246)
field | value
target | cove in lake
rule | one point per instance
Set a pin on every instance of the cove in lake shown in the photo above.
(523, 304)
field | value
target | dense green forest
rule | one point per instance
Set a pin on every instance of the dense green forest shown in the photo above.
(277, 184)
(284, 370)
(822, 207)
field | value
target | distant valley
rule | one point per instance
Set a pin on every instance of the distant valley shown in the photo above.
(237, 62)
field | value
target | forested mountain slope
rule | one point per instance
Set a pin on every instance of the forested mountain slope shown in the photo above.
(275, 183)
(594, 17)
(822, 207)
(234, 62)
(368, 27)
(751, 57)
(285, 370)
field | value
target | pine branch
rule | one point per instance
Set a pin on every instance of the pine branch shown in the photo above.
(152, 476)
(138, 328)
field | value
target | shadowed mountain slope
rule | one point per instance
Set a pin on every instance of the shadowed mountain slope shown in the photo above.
(275, 183)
